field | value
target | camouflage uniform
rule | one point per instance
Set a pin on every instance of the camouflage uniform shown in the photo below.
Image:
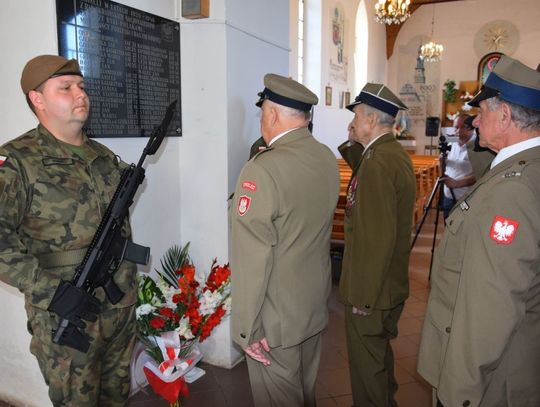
(51, 202)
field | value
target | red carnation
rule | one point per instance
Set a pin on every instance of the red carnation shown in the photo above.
(157, 323)
(167, 312)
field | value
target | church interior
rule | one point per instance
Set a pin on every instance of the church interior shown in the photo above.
(435, 56)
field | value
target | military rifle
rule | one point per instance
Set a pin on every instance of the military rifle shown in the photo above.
(108, 249)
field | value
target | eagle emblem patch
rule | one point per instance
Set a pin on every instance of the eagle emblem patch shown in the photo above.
(503, 230)
(243, 204)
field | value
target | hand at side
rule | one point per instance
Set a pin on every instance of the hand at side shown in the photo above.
(256, 351)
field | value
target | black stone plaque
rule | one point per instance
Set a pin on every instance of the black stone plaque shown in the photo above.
(130, 61)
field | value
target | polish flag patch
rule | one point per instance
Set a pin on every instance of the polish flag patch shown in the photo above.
(243, 205)
(503, 230)
(249, 185)
(3, 159)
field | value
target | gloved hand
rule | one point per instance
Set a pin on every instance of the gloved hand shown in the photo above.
(74, 304)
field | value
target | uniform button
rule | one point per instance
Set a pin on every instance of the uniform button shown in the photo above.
(243, 336)
(366, 306)
(521, 162)
(466, 403)
(447, 329)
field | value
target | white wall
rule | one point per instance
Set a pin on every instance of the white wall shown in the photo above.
(184, 198)
(330, 122)
(456, 24)
(27, 29)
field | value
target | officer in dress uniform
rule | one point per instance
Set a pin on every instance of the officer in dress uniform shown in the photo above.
(378, 221)
(55, 185)
(480, 341)
(281, 216)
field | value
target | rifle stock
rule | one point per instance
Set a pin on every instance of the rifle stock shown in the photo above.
(108, 247)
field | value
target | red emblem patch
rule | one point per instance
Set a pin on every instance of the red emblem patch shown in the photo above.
(249, 185)
(3, 159)
(243, 205)
(503, 230)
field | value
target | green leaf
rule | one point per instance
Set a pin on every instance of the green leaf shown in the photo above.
(173, 259)
(148, 290)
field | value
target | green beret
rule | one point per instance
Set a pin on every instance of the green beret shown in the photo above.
(287, 92)
(380, 97)
(39, 69)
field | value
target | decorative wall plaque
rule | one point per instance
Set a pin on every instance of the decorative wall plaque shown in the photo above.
(130, 60)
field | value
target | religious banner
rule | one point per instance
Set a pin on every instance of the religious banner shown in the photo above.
(338, 63)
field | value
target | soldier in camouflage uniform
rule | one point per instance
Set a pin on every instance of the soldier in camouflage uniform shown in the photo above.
(55, 185)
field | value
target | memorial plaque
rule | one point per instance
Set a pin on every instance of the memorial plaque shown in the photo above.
(130, 60)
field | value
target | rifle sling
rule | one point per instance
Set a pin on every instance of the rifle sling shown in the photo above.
(61, 259)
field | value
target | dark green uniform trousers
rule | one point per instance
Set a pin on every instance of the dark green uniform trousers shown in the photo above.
(290, 380)
(97, 378)
(371, 360)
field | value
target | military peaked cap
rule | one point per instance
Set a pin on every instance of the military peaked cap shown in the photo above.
(286, 92)
(380, 97)
(513, 82)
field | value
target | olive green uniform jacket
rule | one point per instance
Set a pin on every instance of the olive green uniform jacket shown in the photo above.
(481, 338)
(378, 224)
(281, 218)
(52, 201)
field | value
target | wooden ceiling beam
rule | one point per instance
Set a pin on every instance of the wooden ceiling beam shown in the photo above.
(393, 29)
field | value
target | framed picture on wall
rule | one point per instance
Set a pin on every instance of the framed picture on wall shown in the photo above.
(486, 65)
(347, 98)
(328, 96)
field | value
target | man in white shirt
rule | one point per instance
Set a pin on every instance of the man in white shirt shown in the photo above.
(457, 169)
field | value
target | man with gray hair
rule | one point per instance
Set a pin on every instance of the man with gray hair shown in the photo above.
(281, 218)
(374, 280)
(480, 342)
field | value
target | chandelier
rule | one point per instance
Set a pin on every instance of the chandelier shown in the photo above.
(431, 52)
(392, 11)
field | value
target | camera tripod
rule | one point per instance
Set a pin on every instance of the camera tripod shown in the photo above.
(437, 191)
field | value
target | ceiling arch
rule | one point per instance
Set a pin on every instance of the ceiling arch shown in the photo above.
(393, 29)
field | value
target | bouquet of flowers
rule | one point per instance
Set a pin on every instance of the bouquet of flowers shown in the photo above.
(175, 311)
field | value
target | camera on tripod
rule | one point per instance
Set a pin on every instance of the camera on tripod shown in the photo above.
(444, 146)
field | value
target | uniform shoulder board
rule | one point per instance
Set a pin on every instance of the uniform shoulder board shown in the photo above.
(516, 169)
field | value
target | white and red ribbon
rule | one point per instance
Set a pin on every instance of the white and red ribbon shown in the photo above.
(172, 366)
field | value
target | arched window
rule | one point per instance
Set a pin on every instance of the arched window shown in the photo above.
(361, 47)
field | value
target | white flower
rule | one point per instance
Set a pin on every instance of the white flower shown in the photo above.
(184, 329)
(227, 305)
(209, 302)
(168, 293)
(144, 309)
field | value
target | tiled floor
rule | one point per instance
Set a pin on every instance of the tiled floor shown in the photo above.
(222, 387)
(230, 388)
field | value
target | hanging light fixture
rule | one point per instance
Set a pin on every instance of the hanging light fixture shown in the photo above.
(392, 11)
(431, 52)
